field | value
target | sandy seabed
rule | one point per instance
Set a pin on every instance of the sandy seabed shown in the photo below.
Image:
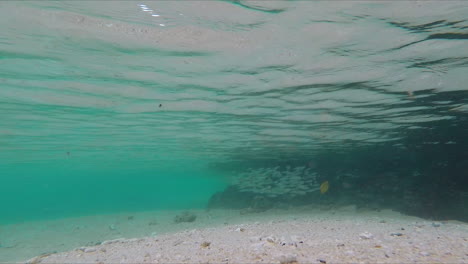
(300, 235)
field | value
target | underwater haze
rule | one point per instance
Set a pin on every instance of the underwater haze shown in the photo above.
(111, 106)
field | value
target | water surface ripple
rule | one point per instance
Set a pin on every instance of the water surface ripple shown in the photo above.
(153, 81)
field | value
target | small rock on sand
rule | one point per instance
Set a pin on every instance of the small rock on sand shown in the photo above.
(88, 250)
(366, 235)
(185, 217)
(289, 259)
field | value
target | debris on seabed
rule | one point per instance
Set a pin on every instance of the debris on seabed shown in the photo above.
(205, 244)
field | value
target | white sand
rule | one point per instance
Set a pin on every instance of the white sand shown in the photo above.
(22, 241)
(304, 235)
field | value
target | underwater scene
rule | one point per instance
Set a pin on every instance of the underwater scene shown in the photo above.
(233, 131)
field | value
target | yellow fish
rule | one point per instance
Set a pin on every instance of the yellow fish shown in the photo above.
(324, 187)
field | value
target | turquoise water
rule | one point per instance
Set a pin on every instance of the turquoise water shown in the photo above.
(118, 106)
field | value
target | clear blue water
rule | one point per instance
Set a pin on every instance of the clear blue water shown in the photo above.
(124, 105)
